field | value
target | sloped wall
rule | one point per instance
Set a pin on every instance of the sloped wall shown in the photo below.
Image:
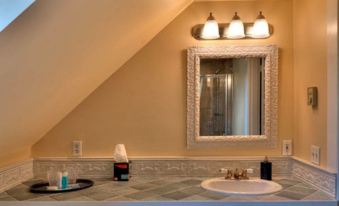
(57, 52)
(143, 105)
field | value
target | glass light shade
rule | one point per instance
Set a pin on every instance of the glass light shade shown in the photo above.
(236, 29)
(210, 29)
(260, 28)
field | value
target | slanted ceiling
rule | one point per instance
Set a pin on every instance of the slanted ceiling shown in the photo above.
(59, 51)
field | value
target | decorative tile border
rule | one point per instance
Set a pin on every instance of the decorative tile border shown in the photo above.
(13, 175)
(86, 167)
(175, 166)
(316, 176)
(205, 166)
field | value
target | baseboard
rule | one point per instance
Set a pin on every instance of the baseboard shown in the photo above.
(13, 175)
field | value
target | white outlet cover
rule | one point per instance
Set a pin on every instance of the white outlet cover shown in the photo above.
(287, 147)
(315, 154)
(77, 148)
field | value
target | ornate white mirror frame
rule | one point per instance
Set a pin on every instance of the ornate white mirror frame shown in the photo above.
(195, 54)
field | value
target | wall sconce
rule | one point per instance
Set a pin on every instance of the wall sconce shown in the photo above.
(260, 27)
(210, 29)
(236, 29)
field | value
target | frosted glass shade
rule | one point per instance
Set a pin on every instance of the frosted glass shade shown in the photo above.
(235, 30)
(210, 30)
(260, 28)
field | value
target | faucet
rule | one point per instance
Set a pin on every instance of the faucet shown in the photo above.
(236, 175)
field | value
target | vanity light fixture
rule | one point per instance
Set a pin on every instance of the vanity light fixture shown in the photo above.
(236, 28)
(210, 29)
(260, 28)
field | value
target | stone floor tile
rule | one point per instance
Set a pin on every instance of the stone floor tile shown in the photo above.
(44, 198)
(213, 195)
(304, 185)
(236, 198)
(191, 182)
(163, 190)
(196, 198)
(120, 198)
(66, 196)
(159, 182)
(140, 195)
(318, 195)
(8, 198)
(99, 196)
(3, 194)
(288, 182)
(193, 190)
(33, 181)
(273, 198)
(21, 192)
(301, 190)
(157, 198)
(291, 195)
(143, 186)
(177, 195)
(81, 198)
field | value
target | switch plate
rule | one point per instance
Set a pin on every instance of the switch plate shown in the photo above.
(312, 96)
(315, 155)
(287, 147)
(77, 148)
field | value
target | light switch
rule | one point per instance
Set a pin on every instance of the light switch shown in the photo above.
(287, 147)
(312, 96)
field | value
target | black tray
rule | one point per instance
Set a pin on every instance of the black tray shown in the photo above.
(42, 187)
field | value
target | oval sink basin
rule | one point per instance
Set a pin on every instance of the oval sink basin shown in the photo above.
(241, 187)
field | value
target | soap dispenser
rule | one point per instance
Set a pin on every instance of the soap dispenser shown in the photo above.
(266, 169)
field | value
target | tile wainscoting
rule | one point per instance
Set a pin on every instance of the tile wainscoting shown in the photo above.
(15, 174)
(176, 166)
(316, 176)
(170, 166)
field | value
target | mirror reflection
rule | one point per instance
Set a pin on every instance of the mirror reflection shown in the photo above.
(232, 96)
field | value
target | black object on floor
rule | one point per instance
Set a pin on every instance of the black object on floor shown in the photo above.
(43, 187)
(121, 171)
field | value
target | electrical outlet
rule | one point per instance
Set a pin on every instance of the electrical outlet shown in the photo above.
(315, 155)
(287, 147)
(77, 148)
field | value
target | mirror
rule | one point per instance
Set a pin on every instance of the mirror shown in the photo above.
(232, 95)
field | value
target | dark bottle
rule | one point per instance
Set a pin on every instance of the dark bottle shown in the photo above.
(266, 169)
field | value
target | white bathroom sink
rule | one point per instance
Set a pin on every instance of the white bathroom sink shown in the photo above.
(241, 187)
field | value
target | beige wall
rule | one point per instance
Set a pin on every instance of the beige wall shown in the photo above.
(143, 105)
(15, 156)
(310, 69)
(57, 52)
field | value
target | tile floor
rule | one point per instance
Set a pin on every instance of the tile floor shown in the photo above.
(161, 189)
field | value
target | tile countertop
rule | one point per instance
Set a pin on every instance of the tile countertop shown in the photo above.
(168, 189)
